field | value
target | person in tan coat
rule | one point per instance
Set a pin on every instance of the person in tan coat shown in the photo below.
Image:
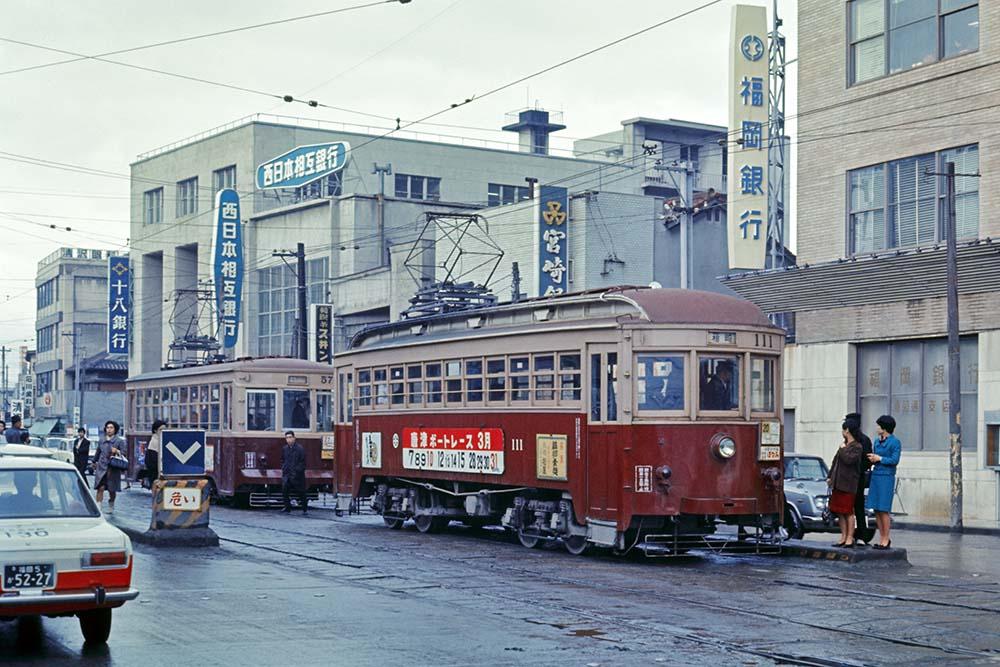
(845, 475)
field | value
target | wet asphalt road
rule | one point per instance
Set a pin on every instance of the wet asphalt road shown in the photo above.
(322, 590)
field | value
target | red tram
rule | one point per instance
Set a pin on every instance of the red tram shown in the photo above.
(244, 406)
(620, 418)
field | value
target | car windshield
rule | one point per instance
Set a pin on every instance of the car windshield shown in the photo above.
(803, 468)
(29, 493)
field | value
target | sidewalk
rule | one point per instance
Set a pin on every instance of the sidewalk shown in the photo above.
(941, 525)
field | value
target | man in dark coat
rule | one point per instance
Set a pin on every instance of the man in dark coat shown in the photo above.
(718, 391)
(293, 473)
(81, 451)
(14, 433)
(861, 530)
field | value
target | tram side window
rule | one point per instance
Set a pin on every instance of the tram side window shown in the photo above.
(296, 409)
(380, 389)
(346, 397)
(414, 375)
(397, 387)
(453, 381)
(324, 411)
(611, 407)
(761, 384)
(719, 383)
(364, 388)
(474, 380)
(260, 410)
(432, 384)
(569, 378)
(496, 380)
(520, 380)
(660, 381)
(595, 387)
(545, 380)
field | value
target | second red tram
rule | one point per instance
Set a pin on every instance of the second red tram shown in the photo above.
(244, 406)
(617, 418)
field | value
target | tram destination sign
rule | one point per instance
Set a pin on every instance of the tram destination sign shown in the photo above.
(466, 450)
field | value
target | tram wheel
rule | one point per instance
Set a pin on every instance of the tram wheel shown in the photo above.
(576, 544)
(393, 523)
(527, 540)
(430, 524)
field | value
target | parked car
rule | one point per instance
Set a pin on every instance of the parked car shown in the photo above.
(807, 496)
(61, 447)
(10, 449)
(58, 555)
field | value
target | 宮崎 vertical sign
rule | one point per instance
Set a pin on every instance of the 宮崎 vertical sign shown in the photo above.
(553, 240)
(748, 120)
(323, 328)
(119, 302)
(228, 264)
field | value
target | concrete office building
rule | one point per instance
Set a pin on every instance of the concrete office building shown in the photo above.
(355, 241)
(888, 94)
(72, 292)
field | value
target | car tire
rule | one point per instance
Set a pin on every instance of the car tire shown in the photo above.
(95, 625)
(793, 525)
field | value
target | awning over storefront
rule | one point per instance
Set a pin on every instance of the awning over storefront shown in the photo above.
(890, 276)
(40, 428)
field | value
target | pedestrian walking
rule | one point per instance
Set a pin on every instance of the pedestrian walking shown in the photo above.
(862, 531)
(152, 472)
(293, 473)
(81, 451)
(106, 476)
(843, 481)
(14, 433)
(885, 455)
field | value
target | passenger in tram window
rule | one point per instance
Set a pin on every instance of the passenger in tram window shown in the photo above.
(718, 388)
(845, 474)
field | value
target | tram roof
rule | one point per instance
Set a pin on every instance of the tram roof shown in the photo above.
(676, 307)
(264, 364)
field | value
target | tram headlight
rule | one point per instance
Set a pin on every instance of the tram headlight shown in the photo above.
(723, 447)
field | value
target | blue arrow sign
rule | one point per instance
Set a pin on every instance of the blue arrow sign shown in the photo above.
(302, 165)
(182, 453)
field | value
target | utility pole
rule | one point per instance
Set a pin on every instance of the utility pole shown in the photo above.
(300, 347)
(3, 366)
(954, 347)
(76, 373)
(686, 170)
(382, 171)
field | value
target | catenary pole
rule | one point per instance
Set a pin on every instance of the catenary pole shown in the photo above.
(954, 356)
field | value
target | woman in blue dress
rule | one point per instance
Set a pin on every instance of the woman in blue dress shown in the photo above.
(885, 456)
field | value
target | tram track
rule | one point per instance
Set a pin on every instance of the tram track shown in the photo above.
(682, 632)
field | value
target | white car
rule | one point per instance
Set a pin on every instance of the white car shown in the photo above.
(58, 556)
(62, 448)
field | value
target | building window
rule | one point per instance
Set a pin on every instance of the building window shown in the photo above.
(330, 186)
(892, 36)
(47, 293)
(224, 178)
(897, 205)
(46, 338)
(277, 303)
(418, 187)
(187, 197)
(498, 194)
(45, 382)
(152, 201)
(909, 380)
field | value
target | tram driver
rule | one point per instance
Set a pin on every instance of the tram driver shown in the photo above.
(717, 389)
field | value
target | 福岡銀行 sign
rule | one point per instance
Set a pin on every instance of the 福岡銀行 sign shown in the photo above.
(302, 165)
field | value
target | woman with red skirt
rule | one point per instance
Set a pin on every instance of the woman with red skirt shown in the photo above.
(845, 474)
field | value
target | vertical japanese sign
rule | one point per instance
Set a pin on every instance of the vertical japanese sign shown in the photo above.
(119, 302)
(553, 240)
(323, 337)
(748, 121)
(228, 264)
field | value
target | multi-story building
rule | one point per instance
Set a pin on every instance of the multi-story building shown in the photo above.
(70, 332)
(360, 224)
(889, 93)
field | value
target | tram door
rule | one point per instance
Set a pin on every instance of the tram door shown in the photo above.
(603, 432)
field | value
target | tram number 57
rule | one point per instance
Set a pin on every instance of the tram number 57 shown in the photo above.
(326, 379)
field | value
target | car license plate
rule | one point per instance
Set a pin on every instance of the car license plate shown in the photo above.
(17, 577)
(770, 453)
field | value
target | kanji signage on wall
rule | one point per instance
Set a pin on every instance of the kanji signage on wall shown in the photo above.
(553, 240)
(119, 303)
(228, 265)
(323, 328)
(748, 130)
(302, 165)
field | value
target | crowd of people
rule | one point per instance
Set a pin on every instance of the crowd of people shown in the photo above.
(861, 464)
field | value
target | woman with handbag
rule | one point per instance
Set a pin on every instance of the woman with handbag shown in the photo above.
(845, 474)
(109, 465)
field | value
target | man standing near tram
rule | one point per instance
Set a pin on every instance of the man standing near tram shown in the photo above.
(293, 473)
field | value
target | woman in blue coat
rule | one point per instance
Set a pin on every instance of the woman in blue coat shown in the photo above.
(885, 456)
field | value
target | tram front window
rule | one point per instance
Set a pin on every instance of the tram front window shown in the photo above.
(260, 410)
(719, 382)
(295, 409)
(660, 381)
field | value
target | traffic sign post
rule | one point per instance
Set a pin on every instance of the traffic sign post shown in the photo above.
(182, 453)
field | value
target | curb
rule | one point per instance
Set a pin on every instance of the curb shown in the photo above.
(179, 537)
(812, 551)
(941, 528)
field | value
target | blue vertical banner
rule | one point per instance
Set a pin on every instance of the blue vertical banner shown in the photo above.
(553, 240)
(119, 303)
(228, 265)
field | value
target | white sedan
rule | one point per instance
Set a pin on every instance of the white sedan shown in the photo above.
(58, 556)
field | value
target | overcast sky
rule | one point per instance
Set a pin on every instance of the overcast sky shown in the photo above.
(392, 60)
